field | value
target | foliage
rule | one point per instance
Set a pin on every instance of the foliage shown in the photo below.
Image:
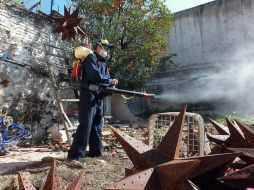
(18, 1)
(231, 116)
(167, 63)
(137, 28)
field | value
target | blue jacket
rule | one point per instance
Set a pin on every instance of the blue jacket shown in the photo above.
(95, 71)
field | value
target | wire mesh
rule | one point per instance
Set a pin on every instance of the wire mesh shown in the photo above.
(192, 143)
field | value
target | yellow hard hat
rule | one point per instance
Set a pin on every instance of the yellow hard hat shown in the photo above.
(104, 42)
(82, 52)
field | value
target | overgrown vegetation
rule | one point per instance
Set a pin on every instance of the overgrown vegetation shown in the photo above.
(221, 118)
(138, 30)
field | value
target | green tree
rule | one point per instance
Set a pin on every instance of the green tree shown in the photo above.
(137, 28)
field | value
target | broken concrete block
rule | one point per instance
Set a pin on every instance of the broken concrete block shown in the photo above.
(55, 127)
(56, 136)
(106, 133)
(64, 136)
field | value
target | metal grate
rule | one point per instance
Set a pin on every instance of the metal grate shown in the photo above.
(192, 132)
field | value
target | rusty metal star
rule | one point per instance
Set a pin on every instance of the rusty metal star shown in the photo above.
(243, 177)
(67, 24)
(239, 135)
(161, 168)
(52, 182)
(222, 129)
(247, 154)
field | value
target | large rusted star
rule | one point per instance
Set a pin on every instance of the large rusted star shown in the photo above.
(67, 24)
(243, 177)
(52, 182)
(247, 153)
(235, 135)
(161, 168)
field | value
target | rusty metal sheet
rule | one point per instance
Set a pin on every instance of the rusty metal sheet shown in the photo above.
(247, 131)
(131, 171)
(208, 182)
(76, 184)
(235, 134)
(47, 159)
(217, 149)
(53, 181)
(218, 139)
(24, 182)
(170, 144)
(236, 164)
(137, 181)
(187, 185)
(243, 177)
(247, 154)
(175, 172)
(155, 158)
(210, 162)
(222, 129)
(134, 148)
(241, 144)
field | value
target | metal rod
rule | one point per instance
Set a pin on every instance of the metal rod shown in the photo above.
(51, 6)
(14, 62)
(82, 31)
(69, 100)
(128, 92)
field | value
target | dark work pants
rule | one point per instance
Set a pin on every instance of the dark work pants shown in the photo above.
(90, 127)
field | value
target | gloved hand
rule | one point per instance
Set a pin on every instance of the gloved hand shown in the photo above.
(114, 82)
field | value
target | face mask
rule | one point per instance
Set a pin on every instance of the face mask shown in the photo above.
(103, 54)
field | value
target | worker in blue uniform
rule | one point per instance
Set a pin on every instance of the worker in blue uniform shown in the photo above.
(94, 71)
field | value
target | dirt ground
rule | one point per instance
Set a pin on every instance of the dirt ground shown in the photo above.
(99, 172)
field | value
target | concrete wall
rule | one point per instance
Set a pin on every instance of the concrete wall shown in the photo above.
(212, 32)
(22, 35)
(214, 47)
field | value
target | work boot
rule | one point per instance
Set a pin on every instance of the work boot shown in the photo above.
(77, 163)
(3, 151)
(88, 154)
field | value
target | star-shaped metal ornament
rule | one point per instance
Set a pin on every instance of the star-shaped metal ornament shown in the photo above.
(235, 135)
(239, 139)
(243, 177)
(52, 182)
(247, 153)
(161, 167)
(67, 24)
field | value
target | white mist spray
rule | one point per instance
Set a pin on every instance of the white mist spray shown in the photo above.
(230, 83)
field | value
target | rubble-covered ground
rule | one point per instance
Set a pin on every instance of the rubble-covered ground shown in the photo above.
(99, 172)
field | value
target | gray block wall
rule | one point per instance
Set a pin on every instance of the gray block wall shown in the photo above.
(212, 32)
(29, 95)
(214, 62)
